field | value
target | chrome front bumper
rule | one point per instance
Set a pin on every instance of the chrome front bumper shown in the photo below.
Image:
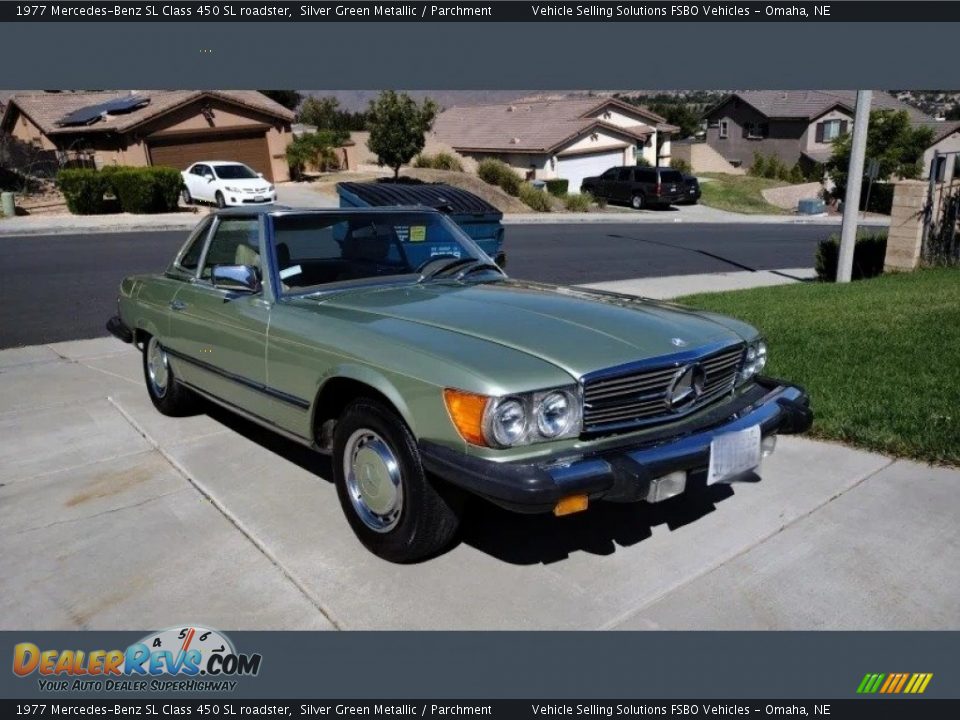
(623, 473)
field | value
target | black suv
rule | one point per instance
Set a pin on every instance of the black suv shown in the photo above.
(640, 186)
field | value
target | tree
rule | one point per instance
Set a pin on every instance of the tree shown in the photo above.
(317, 150)
(397, 127)
(288, 98)
(891, 140)
(684, 116)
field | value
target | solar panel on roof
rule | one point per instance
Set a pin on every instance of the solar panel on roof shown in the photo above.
(92, 113)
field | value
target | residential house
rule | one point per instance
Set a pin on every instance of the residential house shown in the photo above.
(155, 127)
(567, 137)
(946, 143)
(797, 126)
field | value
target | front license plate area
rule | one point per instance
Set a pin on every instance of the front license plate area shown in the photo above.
(733, 453)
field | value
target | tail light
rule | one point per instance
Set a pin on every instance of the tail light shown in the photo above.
(658, 190)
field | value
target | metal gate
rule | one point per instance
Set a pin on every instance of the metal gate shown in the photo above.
(941, 214)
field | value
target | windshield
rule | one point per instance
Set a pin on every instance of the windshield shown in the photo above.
(315, 250)
(235, 172)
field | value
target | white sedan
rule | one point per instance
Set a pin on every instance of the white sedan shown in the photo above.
(226, 184)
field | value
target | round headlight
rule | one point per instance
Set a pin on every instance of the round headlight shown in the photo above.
(554, 414)
(509, 423)
(761, 360)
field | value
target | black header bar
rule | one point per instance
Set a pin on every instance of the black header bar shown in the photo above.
(211, 707)
(415, 11)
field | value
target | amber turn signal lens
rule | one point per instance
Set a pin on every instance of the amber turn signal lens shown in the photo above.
(466, 410)
(571, 505)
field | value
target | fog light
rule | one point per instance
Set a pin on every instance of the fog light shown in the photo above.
(570, 505)
(667, 486)
(768, 445)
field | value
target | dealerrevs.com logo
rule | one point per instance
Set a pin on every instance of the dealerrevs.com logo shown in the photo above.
(177, 659)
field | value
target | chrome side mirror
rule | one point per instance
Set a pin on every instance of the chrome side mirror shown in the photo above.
(237, 278)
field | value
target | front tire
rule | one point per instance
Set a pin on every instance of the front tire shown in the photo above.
(167, 395)
(392, 506)
(221, 200)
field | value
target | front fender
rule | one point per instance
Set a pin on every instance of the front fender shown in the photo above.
(375, 379)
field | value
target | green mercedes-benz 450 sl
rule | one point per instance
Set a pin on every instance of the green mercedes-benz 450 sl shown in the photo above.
(386, 337)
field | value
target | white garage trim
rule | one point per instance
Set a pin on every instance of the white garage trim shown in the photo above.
(575, 168)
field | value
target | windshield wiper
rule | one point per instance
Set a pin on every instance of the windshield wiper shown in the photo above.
(456, 262)
(476, 267)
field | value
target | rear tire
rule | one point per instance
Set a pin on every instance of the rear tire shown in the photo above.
(186, 197)
(638, 202)
(221, 201)
(393, 508)
(167, 395)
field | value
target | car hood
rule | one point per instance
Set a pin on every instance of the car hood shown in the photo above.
(578, 330)
(245, 184)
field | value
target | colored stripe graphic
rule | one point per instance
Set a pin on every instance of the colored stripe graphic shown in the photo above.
(894, 683)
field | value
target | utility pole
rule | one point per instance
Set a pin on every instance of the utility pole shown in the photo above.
(851, 202)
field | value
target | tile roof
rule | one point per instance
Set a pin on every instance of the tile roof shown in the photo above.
(47, 109)
(942, 130)
(535, 125)
(810, 104)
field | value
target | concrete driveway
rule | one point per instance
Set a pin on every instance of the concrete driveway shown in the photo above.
(115, 517)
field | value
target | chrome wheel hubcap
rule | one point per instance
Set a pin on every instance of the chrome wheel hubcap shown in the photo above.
(158, 370)
(374, 481)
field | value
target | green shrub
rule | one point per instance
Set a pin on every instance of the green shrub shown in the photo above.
(146, 190)
(83, 190)
(534, 197)
(492, 170)
(643, 162)
(681, 165)
(759, 167)
(880, 200)
(868, 256)
(440, 161)
(446, 161)
(578, 202)
(796, 174)
(497, 172)
(558, 187)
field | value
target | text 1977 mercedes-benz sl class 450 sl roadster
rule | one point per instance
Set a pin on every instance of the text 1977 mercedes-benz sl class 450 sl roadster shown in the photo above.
(386, 337)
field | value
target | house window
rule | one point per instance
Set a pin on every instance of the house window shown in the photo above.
(756, 130)
(724, 128)
(830, 130)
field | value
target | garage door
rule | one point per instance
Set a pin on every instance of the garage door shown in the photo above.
(577, 167)
(182, 152)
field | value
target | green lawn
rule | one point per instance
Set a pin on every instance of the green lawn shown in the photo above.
(880, 358)
(739, 193)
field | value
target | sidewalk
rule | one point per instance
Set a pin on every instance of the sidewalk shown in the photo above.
(666, 288)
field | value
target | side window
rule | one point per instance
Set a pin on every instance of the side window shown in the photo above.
(646, 176)
(611, 174)
(625, 175)
(236, 241)
(191, 257)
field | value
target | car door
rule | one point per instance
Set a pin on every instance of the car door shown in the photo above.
(194, 178)
(217, 337)
(206, 184)
(623, 187)
(607, 182)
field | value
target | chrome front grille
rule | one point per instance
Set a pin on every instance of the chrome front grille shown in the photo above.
(621, 398)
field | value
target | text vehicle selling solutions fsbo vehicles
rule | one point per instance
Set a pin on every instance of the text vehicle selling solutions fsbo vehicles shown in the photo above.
(386, 337)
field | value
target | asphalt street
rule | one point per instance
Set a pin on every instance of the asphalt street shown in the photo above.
(63, 287)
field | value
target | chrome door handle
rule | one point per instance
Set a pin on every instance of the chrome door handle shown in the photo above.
(178, 305)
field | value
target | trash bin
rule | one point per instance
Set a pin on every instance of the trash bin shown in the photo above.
(7, 208)
(475, 216)
(811, 206)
